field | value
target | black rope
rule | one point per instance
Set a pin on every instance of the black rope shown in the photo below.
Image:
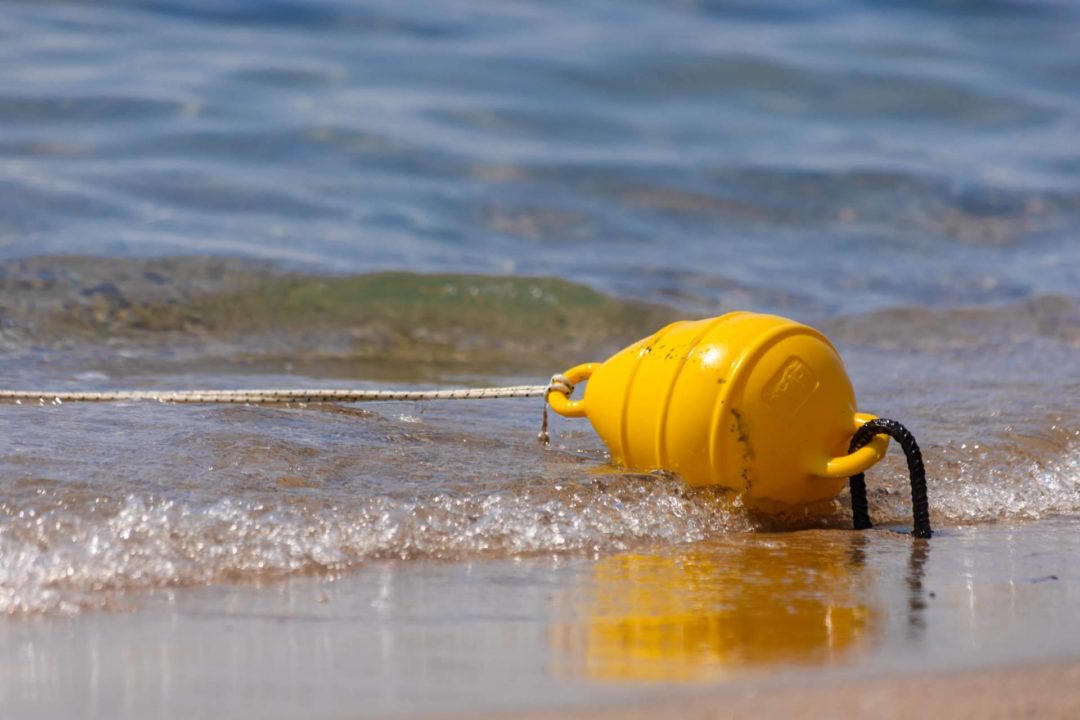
(920, 506)
(860, 513)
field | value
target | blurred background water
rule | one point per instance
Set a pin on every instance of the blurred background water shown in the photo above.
(819, 156)
(907, 175)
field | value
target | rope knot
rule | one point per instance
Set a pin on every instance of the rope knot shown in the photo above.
(561, 384)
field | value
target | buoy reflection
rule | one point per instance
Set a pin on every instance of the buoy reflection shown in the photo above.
(691, 615)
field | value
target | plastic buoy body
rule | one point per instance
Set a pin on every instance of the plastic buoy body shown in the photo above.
(756, 403)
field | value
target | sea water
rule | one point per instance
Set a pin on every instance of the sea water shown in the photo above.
(904, 175)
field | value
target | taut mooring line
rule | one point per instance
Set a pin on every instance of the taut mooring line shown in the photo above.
(266, 397)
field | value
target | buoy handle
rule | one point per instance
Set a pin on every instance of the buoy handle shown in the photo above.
(858, 461)
(560, 402)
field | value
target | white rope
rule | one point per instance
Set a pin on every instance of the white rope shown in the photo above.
(558, 383)
(265, 397)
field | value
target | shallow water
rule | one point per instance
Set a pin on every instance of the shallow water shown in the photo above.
(906, 177)
(101, 500)
(558, 631)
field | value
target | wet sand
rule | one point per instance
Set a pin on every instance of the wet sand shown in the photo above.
(745, 623)
(1048, 692)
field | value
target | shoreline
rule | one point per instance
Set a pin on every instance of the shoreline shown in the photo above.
(1049, 690)
(802, 625)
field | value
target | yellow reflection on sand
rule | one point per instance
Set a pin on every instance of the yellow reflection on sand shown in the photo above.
(685, 615)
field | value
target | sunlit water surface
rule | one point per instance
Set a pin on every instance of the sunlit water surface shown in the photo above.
(820, 160)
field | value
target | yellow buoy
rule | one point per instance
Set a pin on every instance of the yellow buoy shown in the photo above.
(756, 403)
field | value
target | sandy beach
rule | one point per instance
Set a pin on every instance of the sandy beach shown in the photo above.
(1042, 691)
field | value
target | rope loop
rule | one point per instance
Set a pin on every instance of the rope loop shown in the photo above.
(561, 384)
(919, 503)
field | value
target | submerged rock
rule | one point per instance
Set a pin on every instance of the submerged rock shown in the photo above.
(241, 311)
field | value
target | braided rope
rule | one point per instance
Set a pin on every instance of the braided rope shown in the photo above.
(920, 505)
(266, 397)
